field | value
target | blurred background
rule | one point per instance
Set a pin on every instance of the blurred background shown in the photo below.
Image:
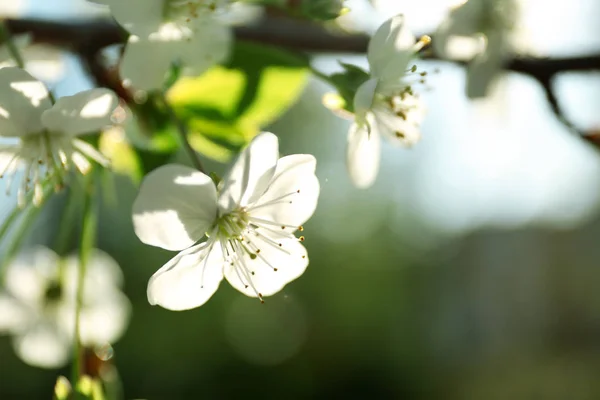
(470, 270)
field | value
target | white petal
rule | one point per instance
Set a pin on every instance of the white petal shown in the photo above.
(138, 17)
(105, 321)
(292, 196)
(145, 63)
(189, 279)
(84, 112)
(400, 131)
(364, 97)
(290, 260)
(482, 71)
(175, 207)
(390, 49)
(210, 45)
(22, 101)
(362, 155)
(13, 315)
(43, 346)
(102, 274)
(250, 175)
(29, 274)
(20, 42)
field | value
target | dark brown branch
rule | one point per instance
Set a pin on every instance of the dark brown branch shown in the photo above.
(86, 38)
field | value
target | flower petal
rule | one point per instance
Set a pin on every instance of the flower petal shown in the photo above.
(364, 97)
(43, 346)
(22, 101)
(390, 49)
(145, 63)
(29, 274)
(200, 53)
(362, 155)
(175, 207)
(251, 174)
(482, 71)
(400, 131)
(13, 314)
(138, 17)
(84, 112)
(291, 198)
(105, 321)
(189, 279)
(272, 268)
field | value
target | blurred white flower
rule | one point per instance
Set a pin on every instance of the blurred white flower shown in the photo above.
(480, 31)
(44, 62)
(37, 305)
(166, 31)
(385, 105)
(13, 8)
(44, 136)
(249, 224)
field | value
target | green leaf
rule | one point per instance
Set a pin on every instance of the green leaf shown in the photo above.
(323, 10)
(124, 158)
(348, 82)
(149, 127)
(228, 105)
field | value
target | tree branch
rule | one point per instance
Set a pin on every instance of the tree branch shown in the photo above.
(87, 38)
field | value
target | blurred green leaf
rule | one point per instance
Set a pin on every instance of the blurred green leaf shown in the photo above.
(228, 105)
(124, 158)
(323, 10)
(149, 127)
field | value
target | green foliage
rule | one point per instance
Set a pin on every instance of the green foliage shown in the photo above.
(319, 10)
(228, 105)
(323, 10)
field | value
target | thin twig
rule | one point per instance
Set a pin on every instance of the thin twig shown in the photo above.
(183, 134)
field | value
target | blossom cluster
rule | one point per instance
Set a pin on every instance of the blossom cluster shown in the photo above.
(245, 228)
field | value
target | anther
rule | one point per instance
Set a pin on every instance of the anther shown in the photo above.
(301, 238)
(400, 135)
(301, 228)
(298, 191)
(257, 251)
(275, 269)
(253, 256)
(303, 256)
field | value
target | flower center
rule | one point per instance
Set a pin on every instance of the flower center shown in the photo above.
(233, 224)
(53, 293)
(186, 10)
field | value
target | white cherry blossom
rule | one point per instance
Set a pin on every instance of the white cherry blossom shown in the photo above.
(37, 305)
(43, 136)
(167, 31)
(42, 61)
(249, 225)
(480, 31)
(385, 105)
